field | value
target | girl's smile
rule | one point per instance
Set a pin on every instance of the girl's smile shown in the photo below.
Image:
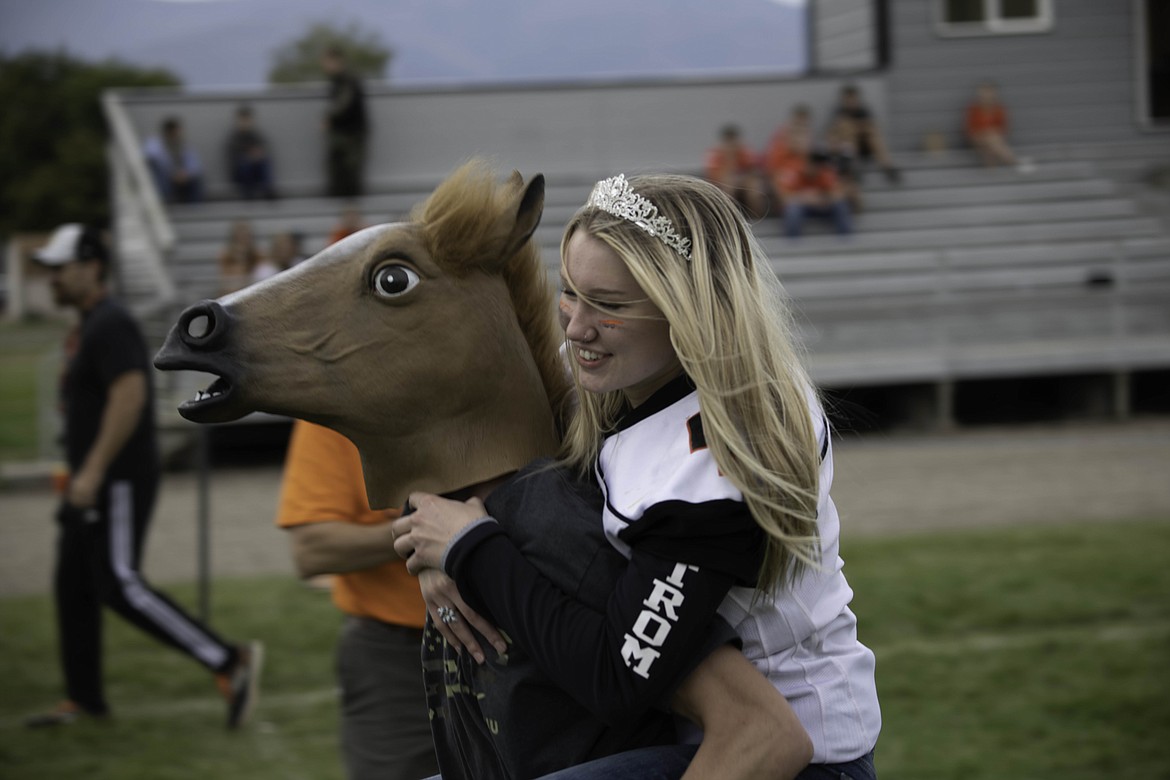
(631, 353)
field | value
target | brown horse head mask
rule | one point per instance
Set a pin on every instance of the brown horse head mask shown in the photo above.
(429, 343)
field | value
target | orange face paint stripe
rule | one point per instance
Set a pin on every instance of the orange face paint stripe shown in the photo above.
(611, 323)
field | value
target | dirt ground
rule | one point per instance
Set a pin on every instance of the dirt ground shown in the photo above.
(883, 484)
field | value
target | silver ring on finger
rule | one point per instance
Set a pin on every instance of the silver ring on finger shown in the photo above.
(448, 615)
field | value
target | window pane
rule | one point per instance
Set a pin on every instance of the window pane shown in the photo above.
(1019, 9)
(960, 11)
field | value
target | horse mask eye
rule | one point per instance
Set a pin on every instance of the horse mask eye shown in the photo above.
(391, 281)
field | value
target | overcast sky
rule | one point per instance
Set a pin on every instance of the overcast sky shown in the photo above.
(210, 43)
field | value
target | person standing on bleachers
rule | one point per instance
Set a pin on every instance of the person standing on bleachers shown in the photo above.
(346, 127)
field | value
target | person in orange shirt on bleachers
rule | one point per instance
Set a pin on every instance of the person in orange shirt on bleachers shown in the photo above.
(348, 223)
(986, 127)
(809, 187)
(789, 144)
(734, 168)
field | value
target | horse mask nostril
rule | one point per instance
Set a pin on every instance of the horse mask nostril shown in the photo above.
(204, 326)
(199, 327)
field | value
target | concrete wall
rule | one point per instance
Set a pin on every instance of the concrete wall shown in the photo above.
(419, 135)
(1074, 83)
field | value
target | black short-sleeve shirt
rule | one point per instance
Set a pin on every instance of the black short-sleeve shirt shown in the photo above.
(110, 345)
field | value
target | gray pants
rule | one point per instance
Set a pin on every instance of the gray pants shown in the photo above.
(385, 729)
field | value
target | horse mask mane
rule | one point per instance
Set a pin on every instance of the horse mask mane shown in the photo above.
(431, 344)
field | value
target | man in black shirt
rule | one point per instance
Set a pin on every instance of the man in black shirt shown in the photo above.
(345, 126)
(113, 460)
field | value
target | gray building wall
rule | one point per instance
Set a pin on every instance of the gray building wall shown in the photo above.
(843, 35)
(1072, 84)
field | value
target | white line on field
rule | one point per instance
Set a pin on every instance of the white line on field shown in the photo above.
(1128, 631)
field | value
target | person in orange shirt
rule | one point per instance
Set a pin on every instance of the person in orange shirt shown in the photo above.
(734, 168)
(385, 726)
(348, 223)
(790, 144)
(986, 127)
(810, 187)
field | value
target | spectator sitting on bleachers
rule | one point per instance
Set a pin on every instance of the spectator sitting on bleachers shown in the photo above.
(238, 259)
(857, 124)
(349, 223)
(265, 268)
(842, 152)
(809, 187)
(285, 250)
(177, 171)
(986, 129)
(249, 163)
(734, 168)
(791, 142)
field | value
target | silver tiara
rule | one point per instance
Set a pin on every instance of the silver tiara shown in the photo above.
(616, 196)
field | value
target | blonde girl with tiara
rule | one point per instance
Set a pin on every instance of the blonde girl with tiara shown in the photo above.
(700, 425)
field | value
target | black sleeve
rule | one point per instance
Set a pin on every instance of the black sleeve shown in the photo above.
(658, 625)
(118, 348)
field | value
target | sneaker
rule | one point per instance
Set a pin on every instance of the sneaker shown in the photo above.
(241, 686)
(63, 714)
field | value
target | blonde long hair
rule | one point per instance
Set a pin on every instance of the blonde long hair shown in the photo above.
(731, 328)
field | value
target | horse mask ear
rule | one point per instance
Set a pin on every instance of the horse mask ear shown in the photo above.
(528, 211)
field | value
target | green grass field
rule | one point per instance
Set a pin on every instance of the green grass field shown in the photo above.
(23, 350)
(1009, 653)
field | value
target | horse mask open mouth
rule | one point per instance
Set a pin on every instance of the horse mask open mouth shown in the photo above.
(195, 343)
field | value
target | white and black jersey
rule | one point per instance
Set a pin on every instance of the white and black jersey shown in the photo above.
(664, 491)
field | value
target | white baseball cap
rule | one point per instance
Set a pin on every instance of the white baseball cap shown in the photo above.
(70, 242)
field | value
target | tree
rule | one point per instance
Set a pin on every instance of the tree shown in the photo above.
(300, 60)
(53, 137)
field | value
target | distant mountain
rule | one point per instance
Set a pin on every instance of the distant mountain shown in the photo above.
(229, 42)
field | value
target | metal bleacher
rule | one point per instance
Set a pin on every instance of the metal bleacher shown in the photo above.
(964, 273)
(957, 273)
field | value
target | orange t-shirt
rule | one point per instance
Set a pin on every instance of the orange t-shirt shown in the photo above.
(781, 152)
(981, 118)
(323, 483)
(720, 164)
(798, 176)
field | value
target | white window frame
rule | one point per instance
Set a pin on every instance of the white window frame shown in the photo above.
(993, 21)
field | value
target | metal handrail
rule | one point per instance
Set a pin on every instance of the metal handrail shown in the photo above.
(127, 148)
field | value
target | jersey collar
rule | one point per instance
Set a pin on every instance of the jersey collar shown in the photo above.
(670, 393)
